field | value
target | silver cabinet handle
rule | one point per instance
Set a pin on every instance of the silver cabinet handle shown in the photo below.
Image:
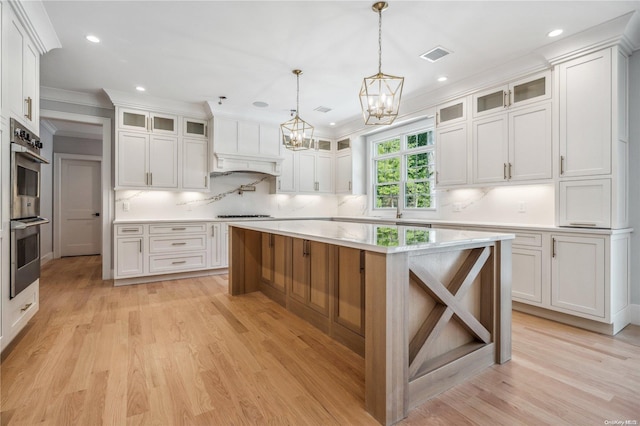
(178, 262)
(505, 100)
(140, 245)
(29, 103)
(437, 118)
(582, 224)
(150, 178)
(179, 244)
(553, 247)
(129, 230)
(504, 171)
(510, 165)
(213, 230)
(25, 307)
(350, 186)
(179, 229)
(562, 164)
(437, 178)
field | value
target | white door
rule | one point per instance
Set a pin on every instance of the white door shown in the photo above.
(80, 221)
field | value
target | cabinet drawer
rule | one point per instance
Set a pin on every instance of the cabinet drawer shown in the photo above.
(23, 305)
(177, 244)
(176, 263)
(526, 239)
(129, 229)
(177, 228)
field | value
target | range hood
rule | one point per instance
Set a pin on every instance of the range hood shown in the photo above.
(234, 162)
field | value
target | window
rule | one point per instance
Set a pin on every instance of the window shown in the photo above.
(404, 170)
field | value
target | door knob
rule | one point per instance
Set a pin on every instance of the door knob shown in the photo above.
(96, 214)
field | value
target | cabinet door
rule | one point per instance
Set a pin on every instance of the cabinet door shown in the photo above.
(13, 57)
(319, 276)
(451, 112)
(578, 275)
(343, 173)
(324, 173)
(585, 203)
(281, 253)
(299, 270)
(490, 149)
(266, 270)
(195, 128)
(349, 297)
(530, 144)
(225, 135)
(531, 89)
(163, 161)
(215, 246)
(307, 171)
(585, 115)
(163, 123)
(129, 261)
(195, 174)
(133, 119)
(31, 85)
(451, 156)
(132, 160)
(527, 275)
(287, 178)
(490, 101)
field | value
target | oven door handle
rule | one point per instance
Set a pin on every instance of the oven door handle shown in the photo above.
(32, 155)
(18, 224)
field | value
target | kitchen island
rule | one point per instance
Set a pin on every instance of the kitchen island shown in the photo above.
(427, 308)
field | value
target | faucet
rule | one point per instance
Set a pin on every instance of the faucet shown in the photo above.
(398, 209)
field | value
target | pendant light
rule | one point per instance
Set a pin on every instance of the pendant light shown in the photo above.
(380, 94)
(297, 134)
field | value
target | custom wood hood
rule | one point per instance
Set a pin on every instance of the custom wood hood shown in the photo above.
(236, 162)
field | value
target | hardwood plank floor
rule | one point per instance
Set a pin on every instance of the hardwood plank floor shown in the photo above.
(185, 352)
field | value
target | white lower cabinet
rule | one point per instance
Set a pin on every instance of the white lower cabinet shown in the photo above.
(527, 275)
(578, 278)
(146, 249)
(585, 203)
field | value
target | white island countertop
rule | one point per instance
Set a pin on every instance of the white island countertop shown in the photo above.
(380, 238)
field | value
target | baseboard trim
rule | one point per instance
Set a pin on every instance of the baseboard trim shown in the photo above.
(634, 314)
(46, 258)
(167, 277)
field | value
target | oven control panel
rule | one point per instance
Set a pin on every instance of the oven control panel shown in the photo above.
(23, 137)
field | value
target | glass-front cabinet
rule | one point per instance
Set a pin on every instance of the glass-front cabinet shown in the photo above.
(451, 112)
(143, 121)
(522, 92)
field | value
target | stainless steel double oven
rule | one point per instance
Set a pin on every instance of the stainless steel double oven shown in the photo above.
(25, 208)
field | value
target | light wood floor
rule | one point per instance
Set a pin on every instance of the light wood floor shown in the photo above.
(185, 352)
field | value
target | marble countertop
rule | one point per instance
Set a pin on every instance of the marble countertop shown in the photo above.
(382, 238)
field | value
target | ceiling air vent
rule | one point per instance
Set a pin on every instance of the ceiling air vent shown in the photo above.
(323, 109)
(435, 54)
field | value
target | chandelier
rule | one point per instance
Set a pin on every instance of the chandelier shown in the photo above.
(297, 134)
(380, 94)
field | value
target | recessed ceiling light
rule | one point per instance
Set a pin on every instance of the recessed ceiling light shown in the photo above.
(555, 33)
(93, 39)
(332, 124)
(260, 104)
(140, 89)
(441, 79)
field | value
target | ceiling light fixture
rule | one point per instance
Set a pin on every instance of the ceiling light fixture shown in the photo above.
(220, 99)
(380, 94)
(92, 38)
(555, 33)
(297, 134)
(443, 78)
(140, 89)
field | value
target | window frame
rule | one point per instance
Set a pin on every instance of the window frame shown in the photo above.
(403, 133)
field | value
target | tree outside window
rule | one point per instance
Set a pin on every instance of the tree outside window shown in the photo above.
(404, 171)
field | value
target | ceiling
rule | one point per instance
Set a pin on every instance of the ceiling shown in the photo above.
(245, 50)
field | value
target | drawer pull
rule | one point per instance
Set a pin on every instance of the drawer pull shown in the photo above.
(178, 229)
(178, 262)
(581, 224)
(178, 244)
(129, 230)
(25, 307)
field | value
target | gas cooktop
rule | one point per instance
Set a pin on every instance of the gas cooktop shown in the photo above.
(229, 216)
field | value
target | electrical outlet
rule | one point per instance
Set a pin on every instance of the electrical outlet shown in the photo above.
(125, 206)
(522, 207)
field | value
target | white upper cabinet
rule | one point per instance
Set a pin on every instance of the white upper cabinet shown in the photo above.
(194, 128)
(344, 181)
(21, 81)
(451, 156)
(225, 135)
(585, 203)
(144, 121)
(585, 115)
(514, 146)
(286, 182)
(518, 93)
(146, 161)
(451, 112)
(195, 173)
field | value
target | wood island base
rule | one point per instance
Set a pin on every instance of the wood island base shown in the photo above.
(425, 318)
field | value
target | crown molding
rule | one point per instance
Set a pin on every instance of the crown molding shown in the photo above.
(98, 100)
(142, 101)
(35, 20)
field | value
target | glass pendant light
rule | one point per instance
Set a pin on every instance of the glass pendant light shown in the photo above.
(380, 94)
(297, 134)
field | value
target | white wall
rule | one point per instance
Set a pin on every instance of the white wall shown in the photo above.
(634, 173)
(69, 145)
(46, 196)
